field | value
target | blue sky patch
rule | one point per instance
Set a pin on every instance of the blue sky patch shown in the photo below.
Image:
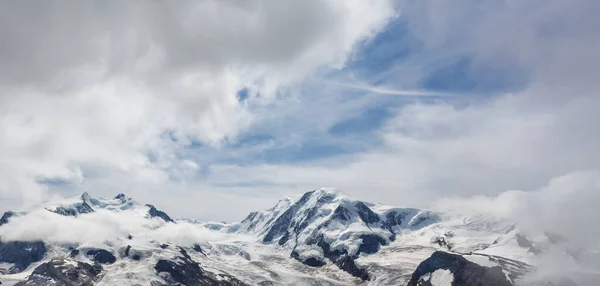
(463, 74)
(242, 94)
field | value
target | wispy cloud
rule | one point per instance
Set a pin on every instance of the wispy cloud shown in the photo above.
(387, 91)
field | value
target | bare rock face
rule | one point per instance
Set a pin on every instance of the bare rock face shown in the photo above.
(465, 272)
(62, 272)
(154, 212)
(311, 221)
(101, 256)
(184, 270)
(21, 253)
(7, 215)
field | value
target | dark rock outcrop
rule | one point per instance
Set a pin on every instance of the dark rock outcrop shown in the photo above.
(184, 270)
(21, 253)
(74, 253)
(81, 208)
(101, 256)
(311, 261)
(198, 248)
(341, 258)
(121, 197)
(366, 214)
(61, 272)
(465, 272)
(84, 208)
(134, 254)
(65, 211)
(370, 243)
(153, 212)
(314, 262)
(283, 222)
(302, 223)
(6, 216)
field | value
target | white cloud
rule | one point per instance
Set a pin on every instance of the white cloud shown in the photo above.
(565, 208)
(98, 91)
(102, 227)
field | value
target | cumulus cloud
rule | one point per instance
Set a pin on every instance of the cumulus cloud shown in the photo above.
(103, 227)
(472, 143)
(114, 91)
(564, 211)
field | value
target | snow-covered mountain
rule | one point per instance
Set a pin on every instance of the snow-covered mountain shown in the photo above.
(321, 238)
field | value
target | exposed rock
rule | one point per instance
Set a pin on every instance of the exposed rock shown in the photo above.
(465, 272)
(59, 272)
(370, 243)
(101, 256)
(394, 218)
(197, 248)
(250, 219)
(84, 208)
(441, 241)
(21, 253)
(184, 270)
(297, 219)
(121, 197)
(153, 212)
(314, 262)
(74, 210)
(74, 253)
(64, 211)
(136, 254)
(341, 258)
(282, 224)
(5, 217)
(311, 261)
(366, 214)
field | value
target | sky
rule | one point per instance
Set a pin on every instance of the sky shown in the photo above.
(213, 109)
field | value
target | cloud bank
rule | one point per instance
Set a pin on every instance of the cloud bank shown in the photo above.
(112, 92)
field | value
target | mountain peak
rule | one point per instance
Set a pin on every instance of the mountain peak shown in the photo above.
(324, 192)
(319, 228)
(312, 225)
(121, 197)
(85, 197)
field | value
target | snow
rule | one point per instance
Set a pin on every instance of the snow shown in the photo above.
(481, 260)
(237, 248)
(441, 277)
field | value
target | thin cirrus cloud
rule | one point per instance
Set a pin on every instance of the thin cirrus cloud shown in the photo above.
(385, 90)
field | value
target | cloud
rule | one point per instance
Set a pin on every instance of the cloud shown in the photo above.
(141, 98)
(385, 90)
(102, 227)
(434, 150)
(564, 208)
(113, 91)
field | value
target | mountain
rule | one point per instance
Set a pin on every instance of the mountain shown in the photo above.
(326, 226)
(320, 238)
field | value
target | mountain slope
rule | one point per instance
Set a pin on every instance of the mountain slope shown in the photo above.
(321, 238)
(325, 225)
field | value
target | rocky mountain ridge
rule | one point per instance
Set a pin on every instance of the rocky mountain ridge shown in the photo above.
(322, 238)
